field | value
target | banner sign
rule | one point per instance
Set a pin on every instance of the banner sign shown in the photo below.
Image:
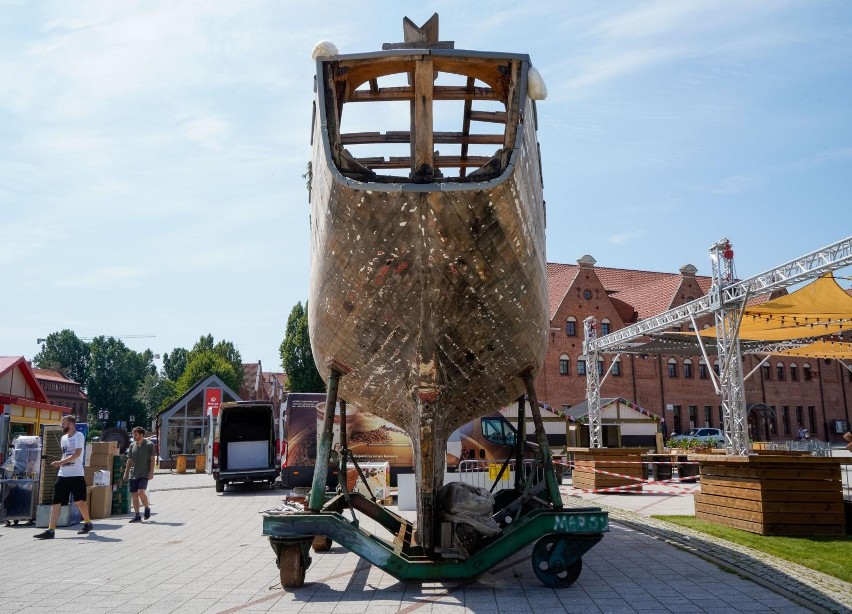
(212, 401)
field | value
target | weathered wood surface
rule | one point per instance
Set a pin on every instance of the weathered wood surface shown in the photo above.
(772, 495)
(435, 299)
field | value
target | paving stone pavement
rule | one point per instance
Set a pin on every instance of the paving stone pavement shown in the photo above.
(203, 552)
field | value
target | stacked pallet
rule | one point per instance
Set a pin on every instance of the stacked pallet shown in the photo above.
(772, 494)
(593, 468)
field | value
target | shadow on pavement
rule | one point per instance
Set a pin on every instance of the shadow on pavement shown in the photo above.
(93, 537)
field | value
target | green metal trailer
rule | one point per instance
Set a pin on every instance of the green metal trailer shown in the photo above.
(563, 537)
(530, 512)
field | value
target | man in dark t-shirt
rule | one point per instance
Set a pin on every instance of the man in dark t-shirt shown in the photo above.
(140, 469)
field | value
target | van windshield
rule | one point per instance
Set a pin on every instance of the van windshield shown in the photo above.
(499, 431)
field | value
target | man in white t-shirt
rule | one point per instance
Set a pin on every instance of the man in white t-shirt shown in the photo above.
(71, 479)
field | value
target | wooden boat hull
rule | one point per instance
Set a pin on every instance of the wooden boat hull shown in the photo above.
(432, 297)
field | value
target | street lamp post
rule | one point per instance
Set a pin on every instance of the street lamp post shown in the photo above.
(103, 416)
(132, 419)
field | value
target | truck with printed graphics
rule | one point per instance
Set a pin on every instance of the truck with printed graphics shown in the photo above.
(372, 439)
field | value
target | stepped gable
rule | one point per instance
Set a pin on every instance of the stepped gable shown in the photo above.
(647, 292)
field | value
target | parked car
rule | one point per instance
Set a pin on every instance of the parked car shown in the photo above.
(713, 437)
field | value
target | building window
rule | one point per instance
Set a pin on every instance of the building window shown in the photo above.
(721, 417)
(767, 372)
(672, 367)
(800, 415)
(693, 416)
(605, 328)
(812, 420)
(616, 367)
(785, 418)
(600, 367)
(687, 368)
(581, 366)
(702, 369)
(677, 426)
(708, 414)
(794, 372)
(564, 368)
(716, 366)
(571, 326)
(779, 371)
(806, 372)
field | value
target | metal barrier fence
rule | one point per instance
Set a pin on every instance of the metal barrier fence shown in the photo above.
(484, 474)
(814, 446)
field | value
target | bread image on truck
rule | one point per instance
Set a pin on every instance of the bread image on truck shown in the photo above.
(372, 439)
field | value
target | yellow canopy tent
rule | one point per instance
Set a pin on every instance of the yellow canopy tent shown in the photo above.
(820, 308)
(839, 350)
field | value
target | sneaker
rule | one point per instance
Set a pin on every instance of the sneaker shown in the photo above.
(87, 526)
(147, 513)
(45, 534)
(136, 518)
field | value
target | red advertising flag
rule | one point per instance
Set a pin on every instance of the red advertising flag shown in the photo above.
(212, 400)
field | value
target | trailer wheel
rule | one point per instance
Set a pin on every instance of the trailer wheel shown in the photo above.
(290, 566)
(549, 563)
(321, 543)
(220, 486)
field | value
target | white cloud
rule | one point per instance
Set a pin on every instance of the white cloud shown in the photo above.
(107, 276)
(736, 184)
(208, 132)
(623, 238)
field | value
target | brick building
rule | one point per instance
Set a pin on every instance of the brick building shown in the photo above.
(784, 393)
(61, 390)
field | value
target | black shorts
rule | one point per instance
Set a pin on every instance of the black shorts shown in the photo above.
(67, 486)
(138, 484)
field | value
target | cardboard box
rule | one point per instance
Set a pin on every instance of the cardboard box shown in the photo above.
(377, 475)
(43, 516)
(100, 460)
(104, 447)
(100, 502)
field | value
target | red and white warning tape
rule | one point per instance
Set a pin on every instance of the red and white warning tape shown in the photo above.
(674, 483)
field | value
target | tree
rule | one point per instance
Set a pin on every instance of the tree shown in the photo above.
(174, 363)
(224, 349)
(115, 372)
(205, 363)
(153, 391)
(296, 356)
(67, 352)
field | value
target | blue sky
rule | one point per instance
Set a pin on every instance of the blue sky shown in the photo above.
(151, 153)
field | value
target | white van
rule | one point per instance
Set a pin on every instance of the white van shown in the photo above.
(245, 444)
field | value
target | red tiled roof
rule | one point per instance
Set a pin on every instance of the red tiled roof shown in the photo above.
(52, 375)
(559, 279)
(648, 292)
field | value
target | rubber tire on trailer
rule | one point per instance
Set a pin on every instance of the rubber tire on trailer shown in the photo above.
(220, 486)
(290, 566)
(321, 543)
(559, 575)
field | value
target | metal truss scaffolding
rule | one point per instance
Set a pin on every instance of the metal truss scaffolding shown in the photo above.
(726, 301)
